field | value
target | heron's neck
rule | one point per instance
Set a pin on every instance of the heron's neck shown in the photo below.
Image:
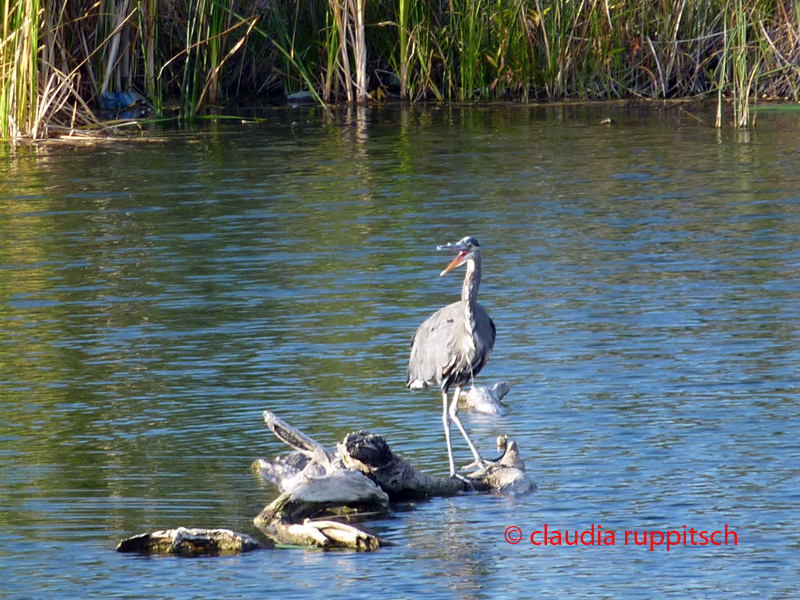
(472, 281)
(469, 293)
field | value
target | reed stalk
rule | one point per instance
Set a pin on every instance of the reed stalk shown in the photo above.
(404, 39)
(148, 25)
(120, 14)
(18, 67)
(470, 33)
(359, 41)
(193, 59)
(340, 17)
(331, 45)
(723, 70)
(348, 17)
(739, 64)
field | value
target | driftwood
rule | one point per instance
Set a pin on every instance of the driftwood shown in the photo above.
(322, 488)
(486, 400)
(371, 455)
(190, 542)
(321, 533)
(361, 477)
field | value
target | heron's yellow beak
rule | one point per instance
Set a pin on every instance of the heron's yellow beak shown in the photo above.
(458, 260)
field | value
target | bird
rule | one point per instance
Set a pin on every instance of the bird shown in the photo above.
(452, 346)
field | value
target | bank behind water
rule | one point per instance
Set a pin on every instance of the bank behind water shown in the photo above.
(57, 62)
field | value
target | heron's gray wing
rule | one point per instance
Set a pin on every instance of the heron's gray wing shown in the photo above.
(432, 347)
(485, 332)
(485, 327)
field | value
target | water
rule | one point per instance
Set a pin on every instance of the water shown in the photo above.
(155, 297)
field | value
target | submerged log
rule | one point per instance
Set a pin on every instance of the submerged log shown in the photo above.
(190, 542)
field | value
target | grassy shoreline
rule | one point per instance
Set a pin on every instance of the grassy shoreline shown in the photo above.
(57, 59)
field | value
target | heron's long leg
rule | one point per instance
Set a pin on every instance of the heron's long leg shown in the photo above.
(454, 416)
(446, 420)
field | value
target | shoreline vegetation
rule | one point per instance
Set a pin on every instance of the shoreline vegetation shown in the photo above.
(59, 58)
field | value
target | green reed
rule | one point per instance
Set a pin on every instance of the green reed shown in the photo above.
(197, 55)
(405, 42)
(470, 46)
(148, 26)
(59, 56)
(18, 68)
(422, 50)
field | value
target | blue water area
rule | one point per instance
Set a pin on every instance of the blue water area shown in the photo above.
(156, 297)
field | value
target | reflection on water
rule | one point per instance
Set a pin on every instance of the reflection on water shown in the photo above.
(155, 298)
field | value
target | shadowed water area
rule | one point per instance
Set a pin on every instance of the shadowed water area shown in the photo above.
(643, 276)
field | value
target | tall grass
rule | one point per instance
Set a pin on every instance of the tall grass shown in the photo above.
(58, 57)
(351, 63)
(40, 92)
(18, 67)
(471, 29)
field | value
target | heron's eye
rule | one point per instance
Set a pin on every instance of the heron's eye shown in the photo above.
(470, 246)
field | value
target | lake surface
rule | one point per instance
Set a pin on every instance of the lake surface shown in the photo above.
(156, 297)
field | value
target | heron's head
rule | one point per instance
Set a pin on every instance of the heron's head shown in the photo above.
(468, 248)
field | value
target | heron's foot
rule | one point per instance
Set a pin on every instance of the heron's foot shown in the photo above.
(462, 478)
(480, 467)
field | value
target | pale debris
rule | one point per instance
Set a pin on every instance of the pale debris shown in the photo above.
(189, 542)
(486, 400)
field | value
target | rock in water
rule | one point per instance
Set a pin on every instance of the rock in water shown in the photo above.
(304, 97)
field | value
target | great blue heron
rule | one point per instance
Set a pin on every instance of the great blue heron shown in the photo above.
(454, 343)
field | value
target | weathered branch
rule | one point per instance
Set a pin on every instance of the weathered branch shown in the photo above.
(342, 491)
(370, 454)
(362, 476)
(190, 542)
(323, 534)
(486, 400)
(298, 440)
